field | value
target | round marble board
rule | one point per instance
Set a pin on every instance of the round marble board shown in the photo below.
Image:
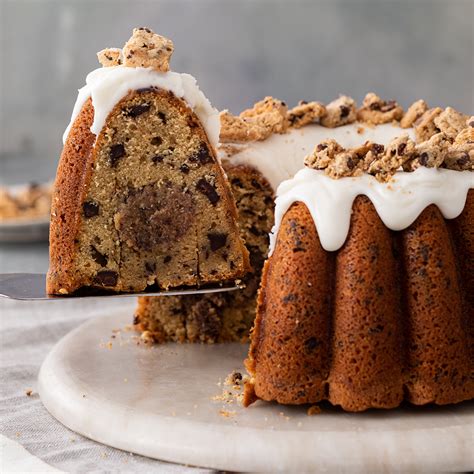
(166, 402)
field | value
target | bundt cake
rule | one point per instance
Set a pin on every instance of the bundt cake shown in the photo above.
(259, 149)
(366, 299)
(140, 198)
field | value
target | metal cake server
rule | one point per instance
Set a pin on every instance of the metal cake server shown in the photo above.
(32, 287)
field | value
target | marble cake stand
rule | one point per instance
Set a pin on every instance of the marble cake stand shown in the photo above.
(157, 401)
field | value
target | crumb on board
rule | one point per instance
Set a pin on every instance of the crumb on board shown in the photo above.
(313, 410)
(227, 414)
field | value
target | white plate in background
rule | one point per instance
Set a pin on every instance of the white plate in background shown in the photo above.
(24, 229)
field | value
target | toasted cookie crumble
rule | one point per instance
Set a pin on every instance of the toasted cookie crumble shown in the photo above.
(147, 49)
(305, 113)
(376, 111)
(265, 118)
(450, 148)
(144, 49)
(425, 126)
(110, 57)
(450, 122)
(340, 112)
(414, 112)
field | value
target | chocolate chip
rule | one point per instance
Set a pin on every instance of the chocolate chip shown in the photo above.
(344, 110)
(268, 201)
(462, 160)
(236, 377)
(146, 89)
(401, 148)
(311, 344)
(157, 159)
(208, 190)
(98, 257)
(137, 110)
(288, 298)
(167, 259)
(217, 240)
(116, 152)
(424, 158)
(237, 182)
(256, 184)
(184, 168)
(471, 124)
(162, 117)
(254, 231)
(378, 148)
(375, 106)
(106, 278)
(321, 147)
(136, 319)
(389, 105)
(157, 141)
(350, 163)
(90, 209)
(192, 123)
(150, 268)
(202, 155)
(376, 329)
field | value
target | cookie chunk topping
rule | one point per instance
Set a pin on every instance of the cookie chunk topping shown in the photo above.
(144, 49)
(443, 149)
(429, 153)
(467, 134)
(110, 57)
(265, 118)
(375, 111)
(338, 162)
(450, 122)
(414, 112)
(340, 112)
(425, 126)
(147, 49)
(398, 152)
(305, 113)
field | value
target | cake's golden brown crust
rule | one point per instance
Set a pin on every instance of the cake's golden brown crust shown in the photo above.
(439, 367)
(215, 255)
(69, 188)
(400, 315)
(462, 229)
(290, 351)
(366, 367)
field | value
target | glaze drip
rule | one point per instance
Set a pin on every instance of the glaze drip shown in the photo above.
(398, 202)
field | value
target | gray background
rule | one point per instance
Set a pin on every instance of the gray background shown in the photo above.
(239, 51)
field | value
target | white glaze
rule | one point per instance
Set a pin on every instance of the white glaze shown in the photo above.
(398, 202)
(279, 157)
(108, 85)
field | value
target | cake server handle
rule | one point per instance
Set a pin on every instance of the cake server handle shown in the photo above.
(32, 287)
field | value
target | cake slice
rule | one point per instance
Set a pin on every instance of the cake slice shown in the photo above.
(140, 198)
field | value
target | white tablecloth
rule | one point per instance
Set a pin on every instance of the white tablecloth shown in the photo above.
(28, 330)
